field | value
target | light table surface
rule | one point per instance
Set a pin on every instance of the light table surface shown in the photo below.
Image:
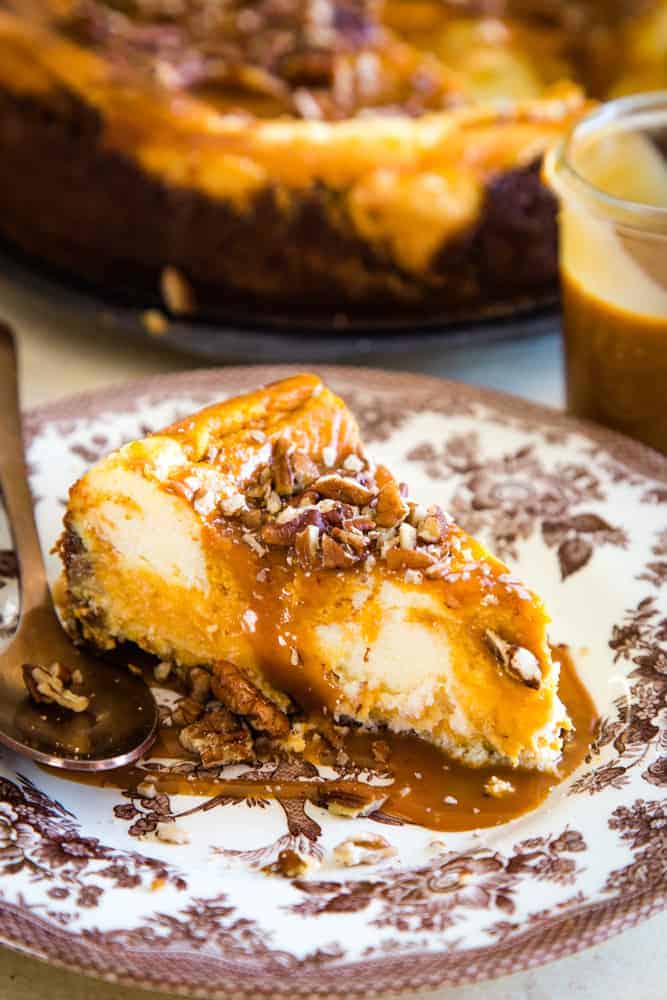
(57, 362)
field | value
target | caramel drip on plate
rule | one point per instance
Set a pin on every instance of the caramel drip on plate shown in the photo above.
(422, 784)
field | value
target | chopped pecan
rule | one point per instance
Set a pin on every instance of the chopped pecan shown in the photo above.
(283, 534)
(334, 556)
(354, 462)
(433, 528)
(199, 681)
(260, 483)
(307, 545)
(291, 864)
(344, 488)
(52, 686)
(235, 691)
(172, 833)
(187, 710)
(407, 536)
(273, 503)
(361, 523)
(408, 559)
(308, 498)
(364, 849)
(251, 519)
(516, 660)
(337, 514)
(354, 539)
(390, 508)
(304, 469)
(219, 737)
(232, 504)
(281, 468)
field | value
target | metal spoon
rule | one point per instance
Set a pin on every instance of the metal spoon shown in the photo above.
(120, 721)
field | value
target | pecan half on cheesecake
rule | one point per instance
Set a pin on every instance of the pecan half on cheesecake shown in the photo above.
(256, 545)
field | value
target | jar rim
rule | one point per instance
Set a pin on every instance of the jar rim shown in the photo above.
(636, 214)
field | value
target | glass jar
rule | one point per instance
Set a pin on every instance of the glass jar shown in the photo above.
(610, 176)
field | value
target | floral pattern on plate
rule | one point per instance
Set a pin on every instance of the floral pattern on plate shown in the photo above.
(91, 881)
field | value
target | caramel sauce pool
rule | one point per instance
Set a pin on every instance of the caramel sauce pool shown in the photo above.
(428, 787)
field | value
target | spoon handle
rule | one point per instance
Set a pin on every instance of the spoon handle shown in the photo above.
(14, 482)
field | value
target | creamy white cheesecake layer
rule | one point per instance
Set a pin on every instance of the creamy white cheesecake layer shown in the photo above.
(388, 642)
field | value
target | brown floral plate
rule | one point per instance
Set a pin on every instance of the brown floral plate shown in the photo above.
(86, 881)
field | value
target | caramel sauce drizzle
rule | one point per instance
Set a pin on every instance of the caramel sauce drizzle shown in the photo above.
(423, 785)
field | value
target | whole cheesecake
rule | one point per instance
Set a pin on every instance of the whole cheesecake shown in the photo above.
(345, 155)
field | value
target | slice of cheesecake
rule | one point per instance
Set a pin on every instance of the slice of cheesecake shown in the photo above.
(257, 540)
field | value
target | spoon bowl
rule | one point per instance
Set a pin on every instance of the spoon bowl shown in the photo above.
(119, 720)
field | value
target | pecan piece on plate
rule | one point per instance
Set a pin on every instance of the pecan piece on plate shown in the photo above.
(186, 710)
(234, 690)
(219, 737)
(364, 849)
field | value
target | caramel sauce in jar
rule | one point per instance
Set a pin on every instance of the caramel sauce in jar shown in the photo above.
(616, 365)
(611, 178)
(417, 782)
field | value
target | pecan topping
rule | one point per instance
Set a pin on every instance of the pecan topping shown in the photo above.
(52, 685)
(251, 519)
(407, 536)
(434, 526)
(390, 508)
(408, 559)
(281, 469)
(361, 523)
(344, 488)
(235, 691)
(334, 556)
(307, 545)
(219, 738)
(517, 661)
(354, 539)
(284, 533)
(304, 469)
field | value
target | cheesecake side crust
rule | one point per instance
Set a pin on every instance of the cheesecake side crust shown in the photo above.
(93, 213)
